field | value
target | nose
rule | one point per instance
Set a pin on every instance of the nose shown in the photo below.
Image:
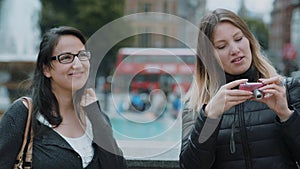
(76, 63)
(234, 49)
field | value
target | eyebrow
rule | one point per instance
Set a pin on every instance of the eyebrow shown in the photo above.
(70, 52)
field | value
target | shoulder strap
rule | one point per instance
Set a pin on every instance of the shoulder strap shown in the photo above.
(28, 157)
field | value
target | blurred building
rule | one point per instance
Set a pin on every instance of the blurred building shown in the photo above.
(191, 10)
(285, 26)
(243, 12)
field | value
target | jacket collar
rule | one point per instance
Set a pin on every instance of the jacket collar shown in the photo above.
(251, 74)
(49, 137)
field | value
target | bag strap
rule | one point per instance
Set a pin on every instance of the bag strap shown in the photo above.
(28, 156)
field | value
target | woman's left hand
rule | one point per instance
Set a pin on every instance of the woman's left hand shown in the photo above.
(88, 97)
(275, 96)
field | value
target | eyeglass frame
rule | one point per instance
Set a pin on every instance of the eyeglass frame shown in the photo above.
(57, 57)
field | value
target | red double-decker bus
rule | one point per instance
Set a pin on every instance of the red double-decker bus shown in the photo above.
(144, 69)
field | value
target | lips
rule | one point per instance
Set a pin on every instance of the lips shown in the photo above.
(75, 73)
(237, 60)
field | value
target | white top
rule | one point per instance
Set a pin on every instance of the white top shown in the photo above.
(82, 145)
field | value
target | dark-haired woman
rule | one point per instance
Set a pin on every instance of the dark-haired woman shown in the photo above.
(70, 130)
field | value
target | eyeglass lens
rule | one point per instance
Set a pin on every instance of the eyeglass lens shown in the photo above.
(69, 57)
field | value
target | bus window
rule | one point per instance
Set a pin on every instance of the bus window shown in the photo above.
(151, 63)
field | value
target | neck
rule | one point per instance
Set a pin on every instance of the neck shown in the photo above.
(65, 101)
(251, 74)
(67, 110)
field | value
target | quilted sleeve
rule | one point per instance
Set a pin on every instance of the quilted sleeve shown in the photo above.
(199, 136)
(291, 128)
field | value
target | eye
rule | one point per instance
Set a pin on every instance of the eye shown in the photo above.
(84, 55)
(220, 46)
(66, 57)
(239, 38)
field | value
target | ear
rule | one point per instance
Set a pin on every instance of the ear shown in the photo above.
(46, 71)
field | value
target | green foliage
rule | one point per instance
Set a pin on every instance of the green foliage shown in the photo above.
(87, 15)
(260, 31)
(93, 14)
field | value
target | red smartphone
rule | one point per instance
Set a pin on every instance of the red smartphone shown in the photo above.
(253, 87)
(250, 86)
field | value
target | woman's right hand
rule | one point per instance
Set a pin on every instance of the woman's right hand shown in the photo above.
(226, 98)
(88, 97)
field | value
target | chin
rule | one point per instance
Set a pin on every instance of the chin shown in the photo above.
(242, 70)
(237, 72)
(76, 87)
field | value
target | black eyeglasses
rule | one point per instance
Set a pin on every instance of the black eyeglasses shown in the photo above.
(68, 57)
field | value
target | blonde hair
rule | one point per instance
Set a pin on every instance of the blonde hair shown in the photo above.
(209, 75)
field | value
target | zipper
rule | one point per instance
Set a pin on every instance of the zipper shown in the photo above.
(244, 136)
(232, 132)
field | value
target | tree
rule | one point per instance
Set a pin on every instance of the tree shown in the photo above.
(88, 16)
(260, 31)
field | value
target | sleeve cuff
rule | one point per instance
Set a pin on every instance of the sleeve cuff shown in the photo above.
(290, 120)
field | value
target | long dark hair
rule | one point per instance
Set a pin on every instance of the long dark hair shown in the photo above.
(44, 101)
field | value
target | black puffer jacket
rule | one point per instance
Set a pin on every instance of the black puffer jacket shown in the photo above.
(257, 141)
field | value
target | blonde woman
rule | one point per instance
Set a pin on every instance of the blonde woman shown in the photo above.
(227, 127)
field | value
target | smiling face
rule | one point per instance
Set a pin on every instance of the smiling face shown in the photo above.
(72, 76)
(232, 47)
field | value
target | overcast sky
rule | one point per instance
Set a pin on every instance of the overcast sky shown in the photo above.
(263, 7)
